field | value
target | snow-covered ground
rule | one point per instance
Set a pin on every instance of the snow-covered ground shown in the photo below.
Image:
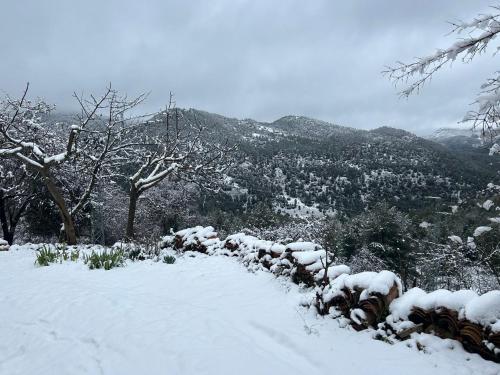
(201, 315)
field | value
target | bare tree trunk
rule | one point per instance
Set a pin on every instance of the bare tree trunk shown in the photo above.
(69, 226)
(8, 231)
(9, 220)
(132, 207)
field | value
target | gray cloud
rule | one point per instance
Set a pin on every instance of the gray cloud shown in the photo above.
(241, 58)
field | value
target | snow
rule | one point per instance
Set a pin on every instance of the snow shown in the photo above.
(382, 283)
(470, 243)
(199, 232)
(300, 209)
(485, 309)
(303, 246)
(481, 230)
(401, 307)
(333, 271)
(201, 315)
(449, 132)
(495, 149)
(425, 224)
(192, 236)
(458, 300)
(10, 151)
(58, 158)
(488, 204)
(369, 282)
(359, 280)
(455, 239)
(249, 244)
(492, 186)
(309, 257)
(438, 298)
(277, 248)
(416, 297)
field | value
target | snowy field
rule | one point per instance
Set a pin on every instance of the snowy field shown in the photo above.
(201, 315)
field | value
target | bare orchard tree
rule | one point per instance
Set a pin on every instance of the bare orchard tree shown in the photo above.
(176, 150)
(16, 194)
(48, 149)
(333, 240)
(479, 34)
(172, 204)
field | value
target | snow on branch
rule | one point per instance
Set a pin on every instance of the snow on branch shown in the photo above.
(481, 31)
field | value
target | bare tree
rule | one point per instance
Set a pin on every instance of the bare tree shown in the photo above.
(46, 149)
(16, 194)
(486, 250)
(175, 150)
(480, 33)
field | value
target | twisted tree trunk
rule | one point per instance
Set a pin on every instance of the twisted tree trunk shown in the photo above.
(68, 224)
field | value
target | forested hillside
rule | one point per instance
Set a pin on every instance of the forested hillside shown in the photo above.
(307, 167)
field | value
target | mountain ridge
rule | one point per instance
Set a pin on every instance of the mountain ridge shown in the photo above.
(296, 162)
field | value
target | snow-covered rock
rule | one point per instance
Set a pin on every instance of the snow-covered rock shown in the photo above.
(334, 271)
(382, 284)
(367, 282)
(485, 309)
(416, 297)
(309, 257)
(4, 245)
(302, 246)
(481, 230)
(199, 238)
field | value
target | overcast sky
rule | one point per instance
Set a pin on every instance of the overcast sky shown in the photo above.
(246, 59)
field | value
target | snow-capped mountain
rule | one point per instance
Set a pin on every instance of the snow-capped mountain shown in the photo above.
(299, 164)
(457, 138)
(444, 133)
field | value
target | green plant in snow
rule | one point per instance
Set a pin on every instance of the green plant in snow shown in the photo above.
(48, 254)
(45, 255)
(106, 259)
(169, 259)
(62, 252)
(74, 255)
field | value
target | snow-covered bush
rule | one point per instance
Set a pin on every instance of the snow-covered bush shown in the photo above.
(365, 260)
(139, 251)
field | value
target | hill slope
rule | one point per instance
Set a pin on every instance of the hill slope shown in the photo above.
(305, 166)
